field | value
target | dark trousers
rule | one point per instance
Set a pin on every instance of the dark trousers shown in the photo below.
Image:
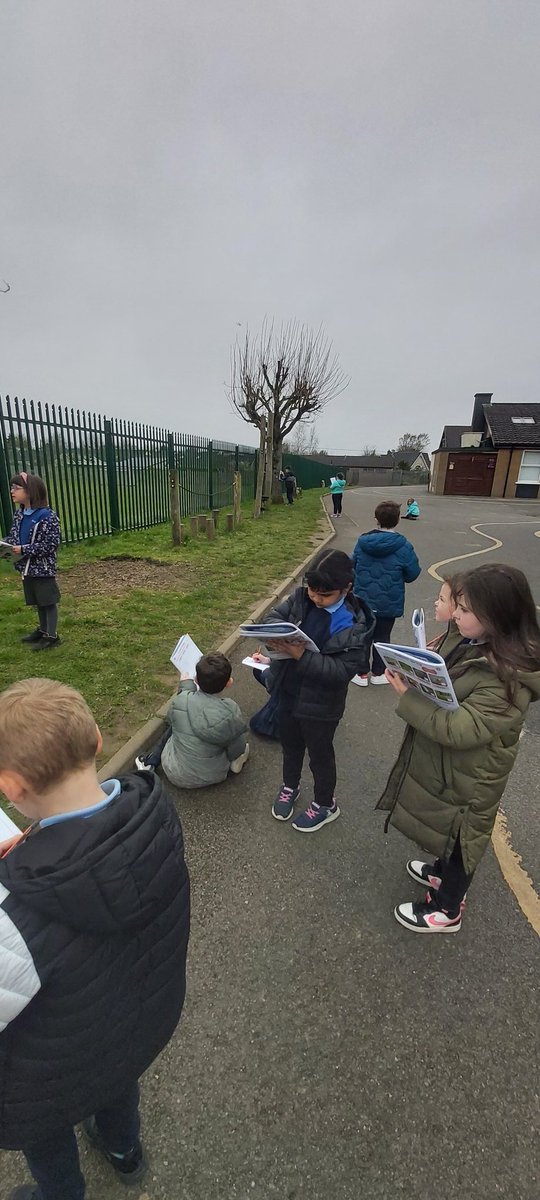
(454, 881)
(383, 629)
(153, 757)
(48, 619)
(317, 737)
(54, 1163)
(337, 501)
(290, 494)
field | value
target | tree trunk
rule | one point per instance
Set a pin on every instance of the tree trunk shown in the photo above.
(277, 459)
(269, 456)
(260, 471)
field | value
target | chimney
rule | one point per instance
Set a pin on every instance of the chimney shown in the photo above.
(478, 419)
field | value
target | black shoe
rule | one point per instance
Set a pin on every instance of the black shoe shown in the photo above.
(36, 636)
(27, 1192)
(130, 1168)
(47, 643)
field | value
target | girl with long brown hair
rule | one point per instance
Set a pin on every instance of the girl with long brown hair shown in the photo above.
(444, 791)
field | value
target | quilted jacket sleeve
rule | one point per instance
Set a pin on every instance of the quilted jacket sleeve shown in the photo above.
(409, 562)
(19, 980)
(327, 670)
(484, 715)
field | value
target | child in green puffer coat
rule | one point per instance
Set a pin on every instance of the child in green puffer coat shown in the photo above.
(445, 788)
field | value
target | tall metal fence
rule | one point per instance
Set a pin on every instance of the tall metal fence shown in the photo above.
(105, 475)
(308, 474)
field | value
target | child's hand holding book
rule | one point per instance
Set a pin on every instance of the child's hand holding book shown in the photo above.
(291, 648)
(398, 683)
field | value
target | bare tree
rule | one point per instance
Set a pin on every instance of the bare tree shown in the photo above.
(413, 441)
(369, 451)
(304, 440)
(285, 377)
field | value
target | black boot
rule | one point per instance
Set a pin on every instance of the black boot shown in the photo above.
(36, 636)
(46, 642)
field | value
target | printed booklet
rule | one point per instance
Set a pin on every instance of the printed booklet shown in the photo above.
(186, 655)
(8, 828)
(423, 669)
(284, 630)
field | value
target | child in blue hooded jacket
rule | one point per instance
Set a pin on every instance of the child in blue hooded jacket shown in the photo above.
(384, 561)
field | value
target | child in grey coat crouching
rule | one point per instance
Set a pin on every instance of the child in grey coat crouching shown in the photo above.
(207, 735)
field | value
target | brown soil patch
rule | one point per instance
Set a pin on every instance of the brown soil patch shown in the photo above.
(119, 575)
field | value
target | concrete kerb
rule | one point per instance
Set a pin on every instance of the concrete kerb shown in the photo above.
(147, 734)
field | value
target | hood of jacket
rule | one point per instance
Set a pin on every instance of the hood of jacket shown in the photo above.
(96, 874)
(381, 542)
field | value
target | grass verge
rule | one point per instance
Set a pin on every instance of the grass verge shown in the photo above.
(115, 647)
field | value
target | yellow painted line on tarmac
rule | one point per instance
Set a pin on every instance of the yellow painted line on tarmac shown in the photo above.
(509, 861)
(514, 872)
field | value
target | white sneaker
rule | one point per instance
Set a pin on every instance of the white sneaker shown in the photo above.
(142, 766)
(238, 763)
(378, 679)
(360, 680)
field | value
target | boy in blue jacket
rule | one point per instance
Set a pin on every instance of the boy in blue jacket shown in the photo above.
(384, 561)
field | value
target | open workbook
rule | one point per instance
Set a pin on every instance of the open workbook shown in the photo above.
(186, 655)
(423, 669)
(278, 631)
(8, 828)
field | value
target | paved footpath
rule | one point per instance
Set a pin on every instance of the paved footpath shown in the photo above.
(326, 1053)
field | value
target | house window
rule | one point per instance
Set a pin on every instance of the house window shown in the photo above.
(523, 421)
(530, 467)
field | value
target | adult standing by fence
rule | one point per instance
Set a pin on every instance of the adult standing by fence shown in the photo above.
(338, 484)
(290, 485)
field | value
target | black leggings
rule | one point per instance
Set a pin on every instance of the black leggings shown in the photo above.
(454, 880)
(48, 619)
(337, 501)
(317, 737)
(381, 633)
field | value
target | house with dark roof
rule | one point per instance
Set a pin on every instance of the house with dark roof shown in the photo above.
(498, 454)
(411, 460)
(375, 470)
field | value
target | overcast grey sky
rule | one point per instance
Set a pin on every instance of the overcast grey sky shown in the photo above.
(170, 169)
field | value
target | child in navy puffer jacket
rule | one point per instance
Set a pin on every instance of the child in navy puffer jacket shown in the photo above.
(311, 686)
(35, 537)
(384, 561)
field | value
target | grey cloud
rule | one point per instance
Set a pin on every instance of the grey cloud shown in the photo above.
(169, 173)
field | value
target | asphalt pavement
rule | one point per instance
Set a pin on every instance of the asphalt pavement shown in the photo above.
(326, 1052)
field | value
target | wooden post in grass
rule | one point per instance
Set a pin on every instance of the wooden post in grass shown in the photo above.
(202, 523)
(176, 520)
(237, 498)
(229, 522)
(210, 529)
(261, 469)
(215, 515)
(194, 526)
